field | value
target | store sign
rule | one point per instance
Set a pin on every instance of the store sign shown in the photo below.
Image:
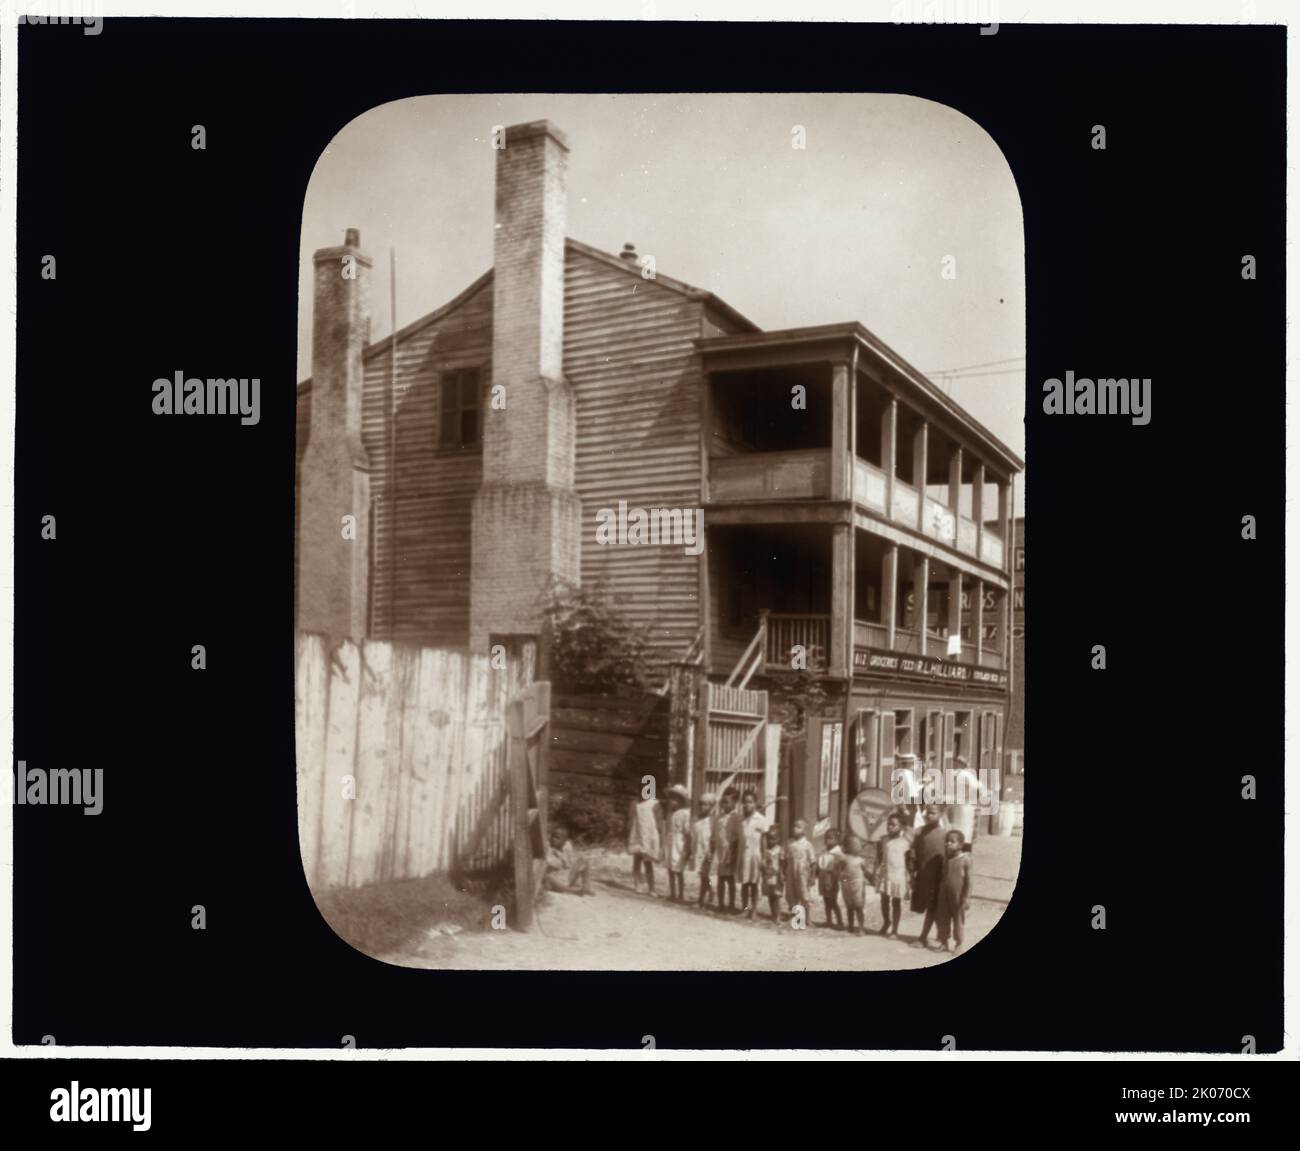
(872, 661)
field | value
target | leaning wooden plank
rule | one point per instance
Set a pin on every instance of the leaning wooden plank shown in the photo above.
(340, 767)
(312, 715)
(370, 811)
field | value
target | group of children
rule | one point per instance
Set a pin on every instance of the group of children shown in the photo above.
(929, 867)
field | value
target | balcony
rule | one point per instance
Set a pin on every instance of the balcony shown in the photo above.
(783, 632)
(868, 484)
(795, 475)
(991, 549)
(966, 535)
(907, 508)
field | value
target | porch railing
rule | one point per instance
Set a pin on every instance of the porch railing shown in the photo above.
(786, 630)
(870, 634)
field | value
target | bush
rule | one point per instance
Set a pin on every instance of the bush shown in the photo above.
(593, 649)
(591, 819)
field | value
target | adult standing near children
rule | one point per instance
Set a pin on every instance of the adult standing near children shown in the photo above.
(927, 869)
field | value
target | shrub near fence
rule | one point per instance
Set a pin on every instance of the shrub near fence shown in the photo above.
(401, 759)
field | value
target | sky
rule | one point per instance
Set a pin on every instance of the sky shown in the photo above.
(856, 225)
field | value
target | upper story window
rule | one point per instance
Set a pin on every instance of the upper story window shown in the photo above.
(459, 422)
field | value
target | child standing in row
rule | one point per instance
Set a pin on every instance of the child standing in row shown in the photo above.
(679, 841)
(853, 883)
(774, 873)
(801, 863)
(702, 846)
(954, 891)
(828, 877)
(891, 874)
(643, 836)
(748, 859)
(724, 849)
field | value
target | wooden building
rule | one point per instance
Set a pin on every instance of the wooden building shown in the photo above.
(846, 500)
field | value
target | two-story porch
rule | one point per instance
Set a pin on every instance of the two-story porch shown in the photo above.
(777, 582)
(848, 506)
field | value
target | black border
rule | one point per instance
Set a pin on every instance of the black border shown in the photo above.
(179, 532)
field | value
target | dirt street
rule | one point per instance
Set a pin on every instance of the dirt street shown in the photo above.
(617, 929)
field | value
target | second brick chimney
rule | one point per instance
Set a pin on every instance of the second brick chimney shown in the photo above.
(334, 476)
(527, 516)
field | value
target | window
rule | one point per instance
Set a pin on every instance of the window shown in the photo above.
(903, 731)
(962, 737)
(458, 418)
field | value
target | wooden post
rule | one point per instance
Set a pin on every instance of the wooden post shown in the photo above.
(841, 597)
(977, 510)
(921, 597)
(518, 760)
(1004, 524)
(700, 750)
(889, 594)
(954, 481)
(841, 434)
(977, 619)
(920, 445)
(954, 606)
(889, 450)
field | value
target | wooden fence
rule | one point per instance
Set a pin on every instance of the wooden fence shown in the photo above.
(603, 744)
(402, 761)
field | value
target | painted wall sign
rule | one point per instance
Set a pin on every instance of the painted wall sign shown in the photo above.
(871, 661)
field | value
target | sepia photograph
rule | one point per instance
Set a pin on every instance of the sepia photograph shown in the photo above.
(653, 610)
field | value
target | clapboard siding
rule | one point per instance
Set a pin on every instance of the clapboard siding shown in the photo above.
(420, 568)
(629, 356)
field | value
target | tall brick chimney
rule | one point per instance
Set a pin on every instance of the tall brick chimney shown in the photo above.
(527, 517)
(334, 481)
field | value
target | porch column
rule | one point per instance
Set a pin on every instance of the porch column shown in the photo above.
(920, 596)
(977, 510)
(888, 450)
(977, 618)
(954, 481)
(920, 441)
(841, 459)
(954, 606)
(841, 656)
(889, 593)
(1004, 522)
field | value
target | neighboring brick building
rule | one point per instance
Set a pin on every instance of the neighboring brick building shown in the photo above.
(865, 526)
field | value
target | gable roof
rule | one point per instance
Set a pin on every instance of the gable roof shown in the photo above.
(570, 245)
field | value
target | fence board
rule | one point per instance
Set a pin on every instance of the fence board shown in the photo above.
(420, 732)
(312, 716)
(339, 766)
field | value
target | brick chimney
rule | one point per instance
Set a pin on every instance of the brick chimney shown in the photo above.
(527, 516)
(334, 481)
